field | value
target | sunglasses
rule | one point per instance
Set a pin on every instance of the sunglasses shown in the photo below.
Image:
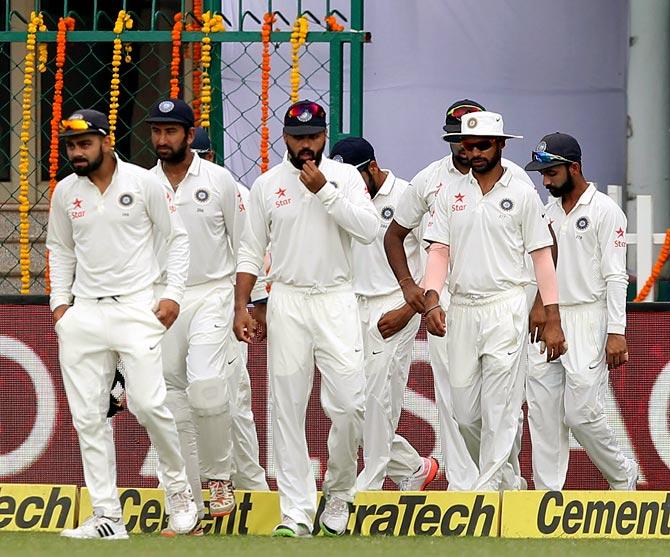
(480, 145)
(313, 108)
(459, 111)
(544, 156)
(79, 126)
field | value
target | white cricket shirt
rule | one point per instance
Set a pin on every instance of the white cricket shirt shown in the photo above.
(207, 202)
(103, 244)
(310, 233)
(372, 273)
(488, 234)
(592, 254)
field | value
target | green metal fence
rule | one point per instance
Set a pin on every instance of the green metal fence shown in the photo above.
(331, 72)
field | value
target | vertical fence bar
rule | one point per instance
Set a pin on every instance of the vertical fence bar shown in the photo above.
(644, 243)
(336, 92)
(216, 130)
(356, 69)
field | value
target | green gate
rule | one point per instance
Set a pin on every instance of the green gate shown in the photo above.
(331, 69)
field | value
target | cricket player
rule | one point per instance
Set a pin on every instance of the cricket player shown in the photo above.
(460, 448)
(567, 394)
(246, 473)
(310, 208)
(389, 327)
(100, 240)
(483, 225)
(196, 349)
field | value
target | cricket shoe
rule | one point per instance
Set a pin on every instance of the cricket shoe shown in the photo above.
(98, 528)
(632, 476)
(221, 497)
(183, 512)
(289, 528)
(335, 516)
(197, 532)
(422, 477)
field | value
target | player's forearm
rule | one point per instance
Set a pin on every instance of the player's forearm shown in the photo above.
(178, 256)
(437, 267)
(360, 221)
(545, 274)
(616, 307)
(395, 251)
(244, 284)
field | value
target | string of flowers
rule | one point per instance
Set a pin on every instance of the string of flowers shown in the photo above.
(65, 24)
(211, 23)
(176, 56)
(332, 24)
(268, 19)
(298, 37)
(123, 21)
(197, 60)
(656, 270)
(36, 23)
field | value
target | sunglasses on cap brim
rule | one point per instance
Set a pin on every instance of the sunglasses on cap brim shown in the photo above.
(313, 108)
(79, 126)
(459, 111)
(545, 157)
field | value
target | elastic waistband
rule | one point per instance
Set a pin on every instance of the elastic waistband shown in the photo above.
(141, 296)
(477, 300)
(310, 290)
(598, 305)
(393, 297)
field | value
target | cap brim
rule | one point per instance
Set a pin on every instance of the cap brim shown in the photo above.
(168, 120)
(70, 133)
(303, 130)
(452, 129)
(539, 166)
(458, 137)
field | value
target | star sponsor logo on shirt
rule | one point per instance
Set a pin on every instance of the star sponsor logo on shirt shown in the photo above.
(77, 210)
(459, 202)
(387, 213)
(202, 196)
(281, 200)
(240, 204)
(171, 206)
(620, 240)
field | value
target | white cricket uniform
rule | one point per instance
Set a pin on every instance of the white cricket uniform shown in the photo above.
(460, 455)
(487, 323)
(568, 393)
(101, 252)
(197, 346)
(387, 361)
(312, 316)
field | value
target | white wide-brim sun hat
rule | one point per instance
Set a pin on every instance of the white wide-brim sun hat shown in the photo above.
(483, 124)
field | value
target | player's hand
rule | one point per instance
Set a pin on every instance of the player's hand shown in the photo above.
(414, 295)
(436, 323)
(394, 321)
(537, 319)
(616, 350)
(59, 312)
(312, 177)
(244, 326)
(552, 336)
(167, 312)
(258, 314)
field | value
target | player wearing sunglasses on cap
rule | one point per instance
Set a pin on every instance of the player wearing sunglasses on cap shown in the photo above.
(414, 210)
(309, 208)
(567, 394)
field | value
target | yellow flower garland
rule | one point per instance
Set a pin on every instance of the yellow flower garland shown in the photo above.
(123, 21)
(36, 23)
(212, 23)
(298, 37)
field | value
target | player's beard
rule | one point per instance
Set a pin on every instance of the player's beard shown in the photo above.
(173, 156)
(490, 163)
(459, 154)
(565, 188)
(298, 162)
(91, 166)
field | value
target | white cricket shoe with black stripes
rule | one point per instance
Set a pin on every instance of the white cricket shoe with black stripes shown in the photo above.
(98, 528)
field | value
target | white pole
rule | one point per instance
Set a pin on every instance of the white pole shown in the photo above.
(644, 243)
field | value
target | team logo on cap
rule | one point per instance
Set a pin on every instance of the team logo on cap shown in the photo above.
(507, 204)
(472, 122)
(166, 106)
(126, 200)
(306, 116)
(582, 223)
(541, 147)
(387, 213)
(338, 158)
(76, 116)
(201, 195)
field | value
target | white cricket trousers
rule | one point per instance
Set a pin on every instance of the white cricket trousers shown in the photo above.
(486, 344)
(308, 326)
(247, 473)
(387, 363)
(194, 360)
(90, 334)
(568, 395)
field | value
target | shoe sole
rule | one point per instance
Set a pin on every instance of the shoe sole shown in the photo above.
(198, 533)
(434, 469)
(216, 514)
(286, 533)
(328, 532)
(115, 537)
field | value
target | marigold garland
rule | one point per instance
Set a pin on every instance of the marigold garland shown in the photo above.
(332, 24)
(176, 56)
(268, 20)
(298, 37)
(36, 23)
(197, 59)
(64, 25)
(211, 23)
(123, 21)
(656, 270)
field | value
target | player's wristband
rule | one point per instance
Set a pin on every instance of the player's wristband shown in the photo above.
(431, 309)
(403, 280)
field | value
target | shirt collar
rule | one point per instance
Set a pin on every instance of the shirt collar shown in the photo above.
(194, 167)
(588, 194)
(388, 184)
(504, 180)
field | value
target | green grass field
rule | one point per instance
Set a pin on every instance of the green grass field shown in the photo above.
(51, 545)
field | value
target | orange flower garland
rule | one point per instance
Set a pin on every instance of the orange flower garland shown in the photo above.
(36, 22)
(176, 56)
(656, 270)
(298, 37)
(332, 24)
(212, 23)
(268, 20)
(123, 21)
(64, 25)
(197, 58)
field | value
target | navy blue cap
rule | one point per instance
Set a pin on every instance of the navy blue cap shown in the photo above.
(201, 142)
(555, 149)
(353, 150)
(95, 122)
(171, 111)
